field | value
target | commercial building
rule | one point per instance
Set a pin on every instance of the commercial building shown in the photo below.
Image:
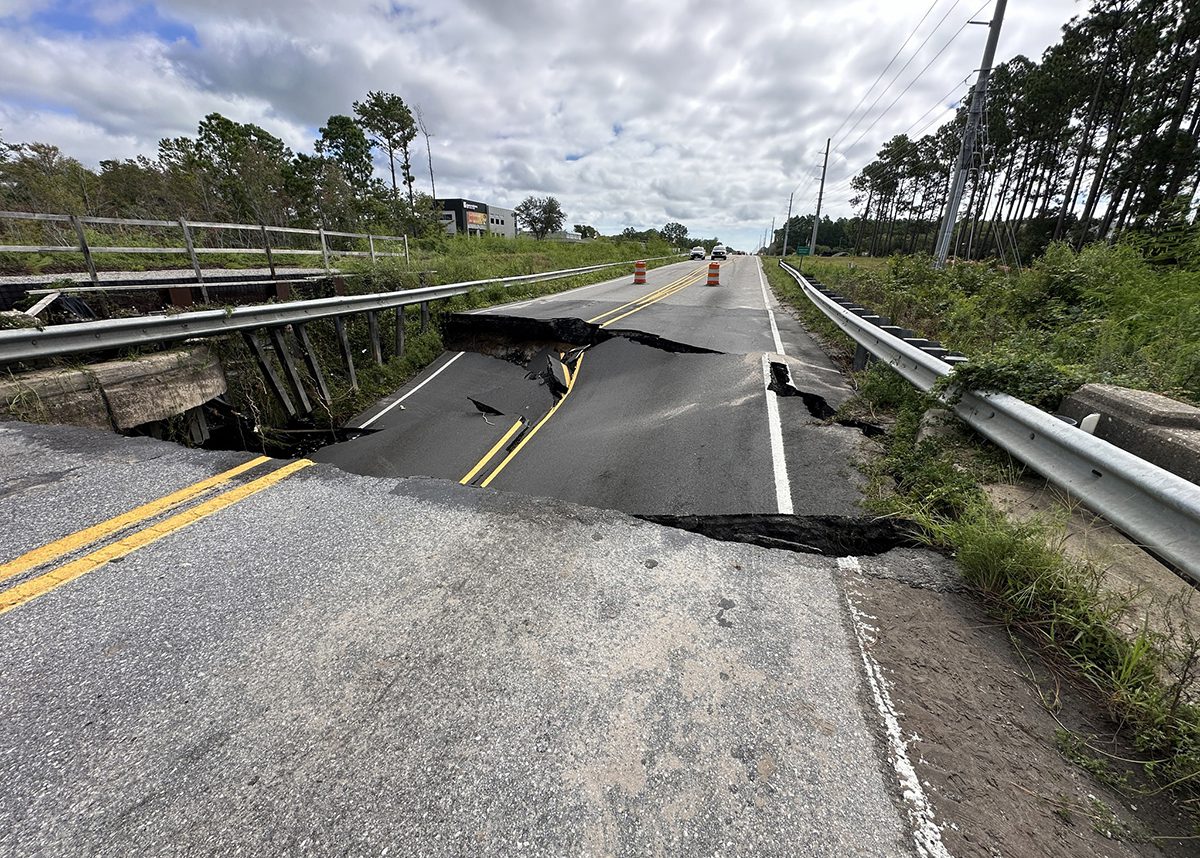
(502, 222)
(473, 218)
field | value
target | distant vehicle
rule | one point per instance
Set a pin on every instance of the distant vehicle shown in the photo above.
(698, 253)
(719, 252)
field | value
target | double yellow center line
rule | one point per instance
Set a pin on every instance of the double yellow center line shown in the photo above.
(514, 431)
(63, 570)
(639, 304)
(572, 378)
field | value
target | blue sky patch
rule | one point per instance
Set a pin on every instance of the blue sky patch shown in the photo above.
(574, 156)
(79, 18)
(617, 128)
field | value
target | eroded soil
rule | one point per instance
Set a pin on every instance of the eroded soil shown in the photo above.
(988, 724)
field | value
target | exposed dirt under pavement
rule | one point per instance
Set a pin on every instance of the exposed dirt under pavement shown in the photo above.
(984, 719)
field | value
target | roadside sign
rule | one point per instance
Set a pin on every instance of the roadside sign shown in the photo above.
(803, 251)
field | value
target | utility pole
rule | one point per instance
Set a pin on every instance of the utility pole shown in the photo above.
(772, 233)
(812, 245)
(970, 133)
(786, 224)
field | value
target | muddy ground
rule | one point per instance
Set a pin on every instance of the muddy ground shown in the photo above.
(988, 723)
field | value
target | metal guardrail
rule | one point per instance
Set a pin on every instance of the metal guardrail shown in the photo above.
(189, 245)
(275, 319)
(1155, 507)
(25, 344)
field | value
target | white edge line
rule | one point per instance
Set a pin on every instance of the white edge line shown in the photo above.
(783, 489)
(770, 313)
(440, 370)
(927, 836)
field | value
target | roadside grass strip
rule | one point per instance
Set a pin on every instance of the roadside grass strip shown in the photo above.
(31, 589)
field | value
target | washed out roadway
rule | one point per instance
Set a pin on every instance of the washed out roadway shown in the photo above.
(348, 665)
(305, 661)
(645, 430)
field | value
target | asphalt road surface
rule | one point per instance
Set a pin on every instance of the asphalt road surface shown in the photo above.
(218, 654)
(208, 654)
(644, 428)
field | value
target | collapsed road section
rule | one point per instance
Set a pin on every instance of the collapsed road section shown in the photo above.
(618, 419)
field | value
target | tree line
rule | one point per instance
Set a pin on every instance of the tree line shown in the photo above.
(1099, 140)
(239, 172)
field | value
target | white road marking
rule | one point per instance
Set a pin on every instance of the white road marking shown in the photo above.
(927, 835)
(783, 489)
(770, 313)
(440, 370)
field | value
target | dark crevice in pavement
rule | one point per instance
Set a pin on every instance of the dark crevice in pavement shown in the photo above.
(868, 429)
(783, 384)
(544, 383)
(519, 339)
(830, 535)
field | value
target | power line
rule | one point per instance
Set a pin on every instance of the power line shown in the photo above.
(867, 92)
(941, 101)
(941, 51)
(844, 183)
(907, 63)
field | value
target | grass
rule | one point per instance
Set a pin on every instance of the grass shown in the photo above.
(436, 261)
(1105, 314)
(456, 260)
(1147, 680)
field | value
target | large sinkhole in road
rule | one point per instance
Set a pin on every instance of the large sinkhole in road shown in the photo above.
(629, 421)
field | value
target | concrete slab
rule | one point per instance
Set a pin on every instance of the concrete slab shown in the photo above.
(120, 393)
(350, 665)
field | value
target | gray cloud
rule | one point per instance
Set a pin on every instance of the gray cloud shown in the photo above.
(722, 108)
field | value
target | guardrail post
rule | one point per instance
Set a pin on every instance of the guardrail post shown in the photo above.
(373, 330)
(267, 248)
(314, 366)
(85, 250)
(324, 249)
(191, 249)
(424, 316)
(400, 331)
(339, 325)
(371, 246)
(254, 342)
(289, 369)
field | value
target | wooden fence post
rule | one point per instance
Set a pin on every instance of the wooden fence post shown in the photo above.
(85, 250)
(400, 331)
(339, 325)
(191, 249)
(324, 249)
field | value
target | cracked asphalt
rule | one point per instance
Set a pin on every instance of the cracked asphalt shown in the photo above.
(349, 665)
(371, 659)
(646, 430)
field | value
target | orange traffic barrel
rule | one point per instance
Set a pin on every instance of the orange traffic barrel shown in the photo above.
(714, 274)
(639, 272)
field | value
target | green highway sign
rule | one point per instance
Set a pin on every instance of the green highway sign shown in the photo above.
(803, 251)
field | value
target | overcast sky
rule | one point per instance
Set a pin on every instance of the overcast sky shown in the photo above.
(632, 113)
